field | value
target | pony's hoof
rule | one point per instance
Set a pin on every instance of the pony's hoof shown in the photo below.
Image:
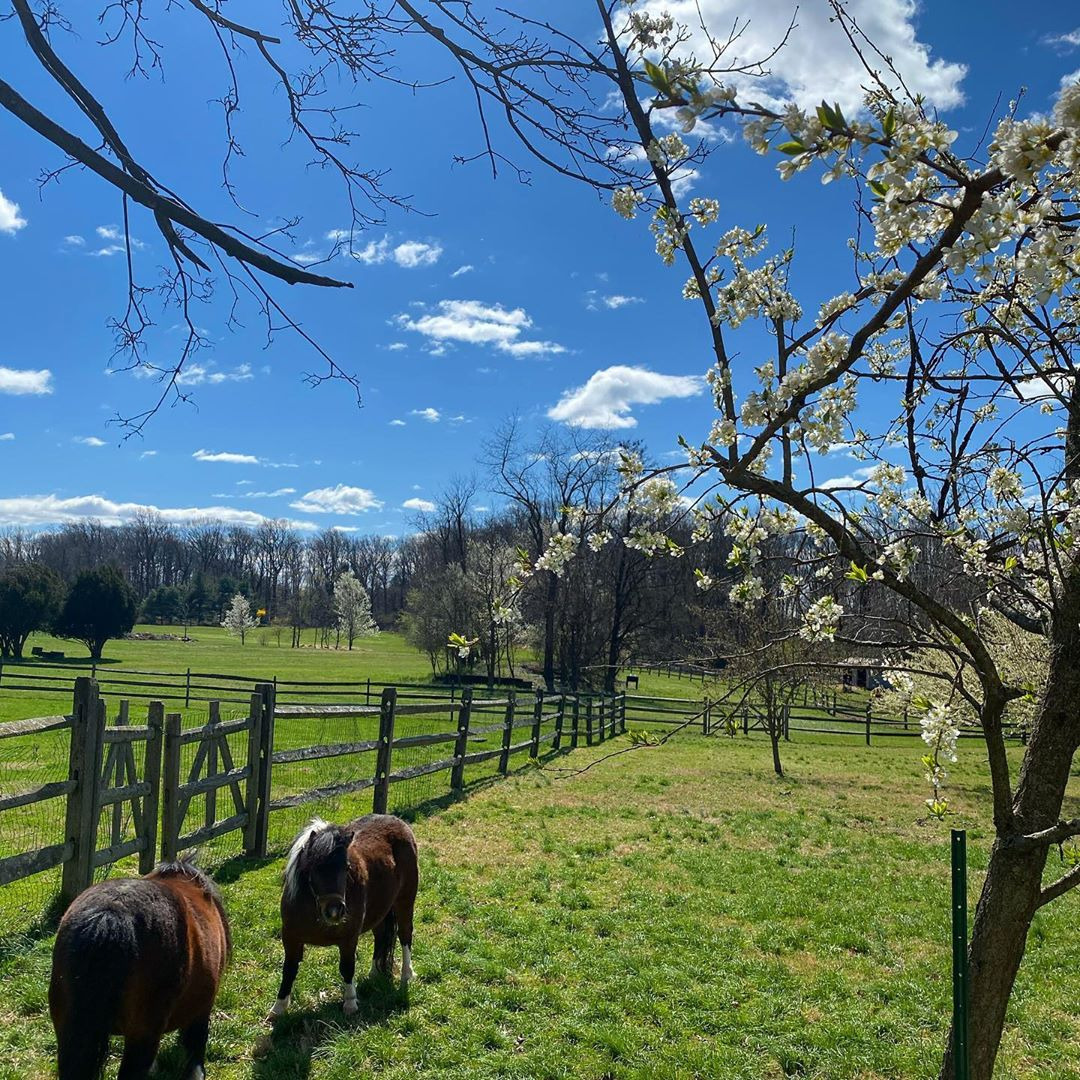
(278, 1008)
(349, 1006)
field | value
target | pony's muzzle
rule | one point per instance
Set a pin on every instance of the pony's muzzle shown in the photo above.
(333, 911)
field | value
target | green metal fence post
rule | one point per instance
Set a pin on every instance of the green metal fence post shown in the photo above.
(960, 960)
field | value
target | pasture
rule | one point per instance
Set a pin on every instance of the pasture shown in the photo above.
(672, 913)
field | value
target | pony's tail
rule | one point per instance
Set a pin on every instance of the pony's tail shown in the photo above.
(91, 987)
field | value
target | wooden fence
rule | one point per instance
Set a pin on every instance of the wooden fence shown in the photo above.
(230, 778)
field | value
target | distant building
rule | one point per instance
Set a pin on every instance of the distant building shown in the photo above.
(863, 673)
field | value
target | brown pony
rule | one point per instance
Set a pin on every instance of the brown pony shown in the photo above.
(341, 881)
(137, 957)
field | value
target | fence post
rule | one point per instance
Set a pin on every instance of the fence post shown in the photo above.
(576, 721)
(706, 716)
(80, 825)
(559, 723)
(367, 692)
(588, 723)
(251, 829)
(210, 815)
(187, 690)
(869, 707)
(155, 721)
(267, 703)
(170, 789)
(905, 718)
(387, 706)
(461, 745)
(622, 712)
(787, 722)
(508, 731)
(745, 720)
(538, 714)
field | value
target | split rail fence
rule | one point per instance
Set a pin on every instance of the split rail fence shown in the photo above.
(84, 791)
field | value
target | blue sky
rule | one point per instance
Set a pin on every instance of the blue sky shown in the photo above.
(493, 298)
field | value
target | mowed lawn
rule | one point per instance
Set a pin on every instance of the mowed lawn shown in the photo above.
(673, 912)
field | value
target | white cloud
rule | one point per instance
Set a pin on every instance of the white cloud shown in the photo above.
(225, 456)
(88, 440)
(432, 416)
(468, 268)
(397, 423)
(74, 240)
(337, 500)
(1063, 42)
(423, 505)
(8, 436)
(413, 253)
(593, 300)
(197, 374)
(306, 258)
(116, 243)
(1070, 79)
(108, 232)
(10, 219)
(852, 480)
(605, 400)
(410, 254)
(279, 493)
(148, 453)
(476, 323)
(25, 381)
(818, 62)
(53, 510)
(396, 346)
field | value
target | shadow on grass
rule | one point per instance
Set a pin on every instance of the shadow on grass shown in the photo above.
(287, 1052)
(19, 943)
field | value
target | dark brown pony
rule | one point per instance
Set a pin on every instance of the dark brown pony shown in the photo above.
(341, 881)
(137, 957)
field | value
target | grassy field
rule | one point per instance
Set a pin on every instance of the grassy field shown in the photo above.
(672, 913)
(266, 653)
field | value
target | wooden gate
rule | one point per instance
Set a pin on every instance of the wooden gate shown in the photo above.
(230, 790)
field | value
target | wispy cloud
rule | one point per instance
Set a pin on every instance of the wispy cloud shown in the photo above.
(25, 381)
(11, 220)
(397, 423)
(422, 505)
(198, 374)
(606, 399)
(8, 436)
(476, 323)
(340, 499)
(148, 453)
(409, 254)
(74, 240)
(468, 268)
(432, 416)
(226, 457)
(88, 440)
(1063, 42)
(277, 494)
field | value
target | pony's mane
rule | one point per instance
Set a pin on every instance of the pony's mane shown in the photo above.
(183, 868)
(323, 838)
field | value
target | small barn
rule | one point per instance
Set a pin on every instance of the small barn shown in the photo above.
(863, 673)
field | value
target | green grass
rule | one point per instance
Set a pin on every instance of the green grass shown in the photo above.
(673, 913)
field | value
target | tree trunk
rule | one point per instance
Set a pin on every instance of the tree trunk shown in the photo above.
(774, 738)
(1010, 894)
(1006, 907)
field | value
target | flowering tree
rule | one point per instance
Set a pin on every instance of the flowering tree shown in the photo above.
(238, 619)
(960, 321)
(352, 605)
